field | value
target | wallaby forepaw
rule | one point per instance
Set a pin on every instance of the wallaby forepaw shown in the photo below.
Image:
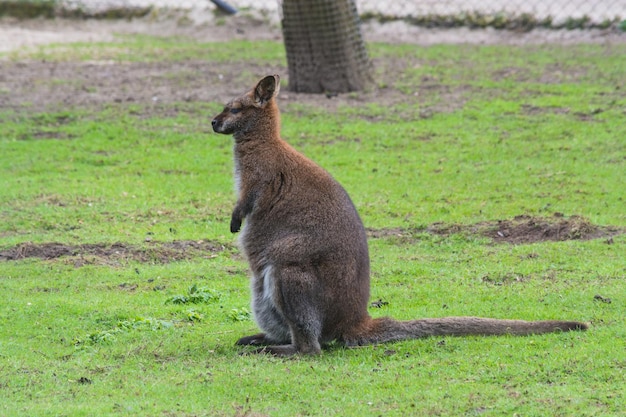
(235, 225)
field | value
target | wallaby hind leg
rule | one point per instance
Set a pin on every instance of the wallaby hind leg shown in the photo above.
(274, 327)
(297, 296)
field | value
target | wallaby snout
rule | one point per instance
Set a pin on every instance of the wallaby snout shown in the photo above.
(221, 124)
(216, 125)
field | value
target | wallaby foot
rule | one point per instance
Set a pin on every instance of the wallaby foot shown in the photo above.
(280, 350)
(255, 340)
(286, 350)
(260, 339)
(307, 347)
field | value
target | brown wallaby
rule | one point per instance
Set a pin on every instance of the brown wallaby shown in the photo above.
(307, 247)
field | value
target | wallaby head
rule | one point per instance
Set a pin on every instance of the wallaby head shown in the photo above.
(244, 113)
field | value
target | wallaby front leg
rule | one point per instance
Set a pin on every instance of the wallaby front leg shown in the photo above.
(243, 207)
(235, 221)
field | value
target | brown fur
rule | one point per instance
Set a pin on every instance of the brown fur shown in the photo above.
(307, 247)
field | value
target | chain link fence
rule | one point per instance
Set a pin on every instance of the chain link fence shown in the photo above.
(501, 14)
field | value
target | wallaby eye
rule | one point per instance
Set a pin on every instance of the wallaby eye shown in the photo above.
(235, 110)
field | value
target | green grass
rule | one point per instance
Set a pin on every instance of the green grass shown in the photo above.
(515, 130)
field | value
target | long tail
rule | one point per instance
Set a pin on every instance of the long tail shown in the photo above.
(386, 329)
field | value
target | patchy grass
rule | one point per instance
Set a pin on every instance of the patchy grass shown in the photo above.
(137, 303)
(143, 48)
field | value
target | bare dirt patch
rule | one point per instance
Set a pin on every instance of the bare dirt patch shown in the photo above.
(110, 254)
(164, 88)
(527, 229)
(39, 86)
(520, 230)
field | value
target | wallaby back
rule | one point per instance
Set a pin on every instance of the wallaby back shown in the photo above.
(307, 247)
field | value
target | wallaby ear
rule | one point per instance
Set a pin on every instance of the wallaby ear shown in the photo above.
(266, 89)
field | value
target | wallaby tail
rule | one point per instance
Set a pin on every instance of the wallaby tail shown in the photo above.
(386, 329)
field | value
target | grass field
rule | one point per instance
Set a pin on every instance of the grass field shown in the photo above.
(492, 180)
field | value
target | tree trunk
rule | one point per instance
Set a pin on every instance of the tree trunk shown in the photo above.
(325, 49)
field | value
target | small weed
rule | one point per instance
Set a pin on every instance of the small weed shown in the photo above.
(194, 316)
(107, 336)
(96, 338)
(239, 314)
(195, 295)
(144, 323)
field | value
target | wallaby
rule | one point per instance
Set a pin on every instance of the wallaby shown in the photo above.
(307, 247)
